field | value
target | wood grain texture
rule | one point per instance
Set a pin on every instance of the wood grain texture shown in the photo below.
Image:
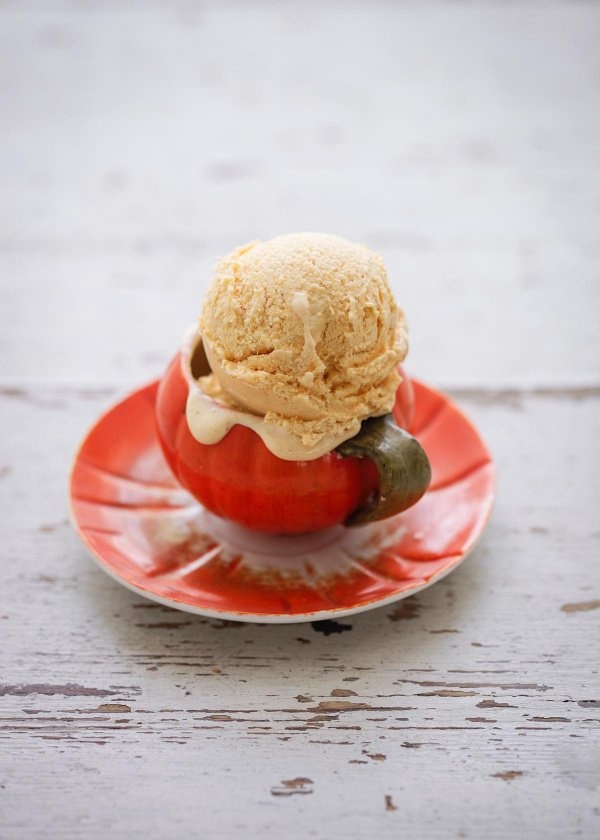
(474, 705)
(139, 142)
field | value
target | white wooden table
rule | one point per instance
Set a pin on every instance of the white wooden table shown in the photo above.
(139, 142)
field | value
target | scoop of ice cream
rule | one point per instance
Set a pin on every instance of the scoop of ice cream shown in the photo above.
(304, 330)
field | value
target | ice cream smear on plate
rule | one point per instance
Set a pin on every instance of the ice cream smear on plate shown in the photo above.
(303, 339)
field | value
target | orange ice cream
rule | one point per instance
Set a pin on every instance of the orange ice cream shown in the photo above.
(303, 330)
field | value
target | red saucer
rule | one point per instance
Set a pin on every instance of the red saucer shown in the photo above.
(151, 536)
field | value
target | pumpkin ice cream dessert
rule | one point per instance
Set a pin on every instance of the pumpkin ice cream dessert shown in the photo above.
(294, 372)
(304, 330)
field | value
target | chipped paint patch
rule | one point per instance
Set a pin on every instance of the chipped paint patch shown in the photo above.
(66, 690)
(113, 707)
(339, 706)
(581, 606)
(290, 787)
(406, 610)
(375, 756)
(508, 775)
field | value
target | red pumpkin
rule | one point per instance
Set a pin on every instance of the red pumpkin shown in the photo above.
(240, 479)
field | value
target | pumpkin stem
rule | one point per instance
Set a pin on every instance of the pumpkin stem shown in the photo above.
(402, 465)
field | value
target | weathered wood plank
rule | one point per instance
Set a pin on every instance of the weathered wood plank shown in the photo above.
(468, 705)
(140, 143)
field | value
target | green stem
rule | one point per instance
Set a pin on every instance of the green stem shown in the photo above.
(402, 465)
